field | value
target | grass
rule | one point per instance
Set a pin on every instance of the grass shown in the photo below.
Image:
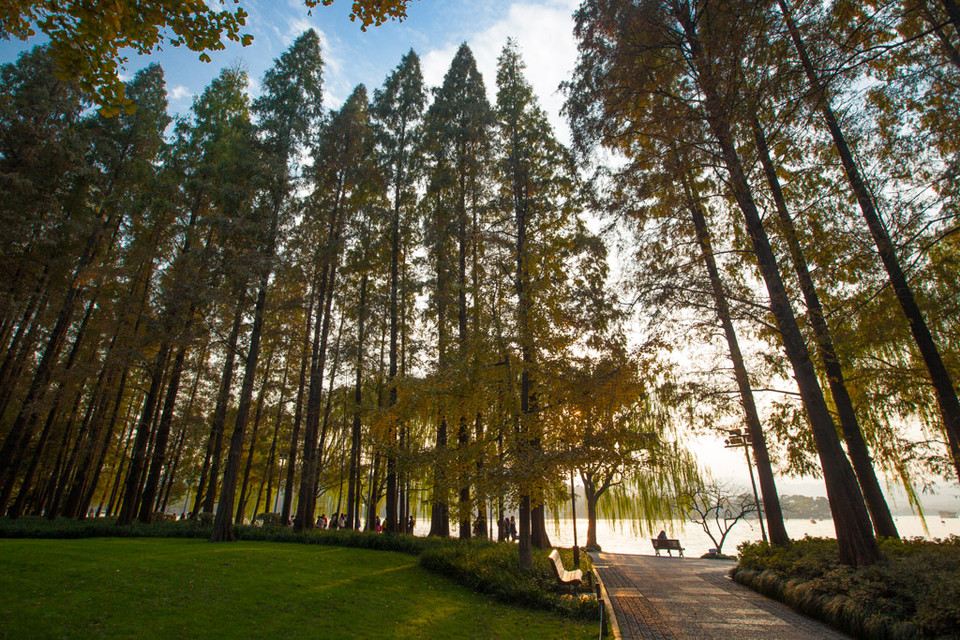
(189, 588)
(913, 593)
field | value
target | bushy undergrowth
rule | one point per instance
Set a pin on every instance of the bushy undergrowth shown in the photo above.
(37, 527)
(487, 567)
(492, 568)
(913, 593)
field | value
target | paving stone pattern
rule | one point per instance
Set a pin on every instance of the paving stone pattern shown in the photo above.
(656, 598)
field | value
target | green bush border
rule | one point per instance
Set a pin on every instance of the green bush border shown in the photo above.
(913, 593)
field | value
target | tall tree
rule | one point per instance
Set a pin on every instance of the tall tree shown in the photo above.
(398, 109)
(684, 41)
(288, 114)
(943, 385)
(341, 181)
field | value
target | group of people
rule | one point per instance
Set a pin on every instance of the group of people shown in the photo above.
(508, 528)
(339, 521)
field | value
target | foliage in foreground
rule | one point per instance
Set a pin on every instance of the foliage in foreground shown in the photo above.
(913, 593)
(491, 568)
(157, 588)
(486, 567)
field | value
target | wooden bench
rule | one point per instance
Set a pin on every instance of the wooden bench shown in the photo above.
(666, 544)
(566, 578)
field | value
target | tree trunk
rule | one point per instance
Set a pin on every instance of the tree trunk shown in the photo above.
(21, 432)
(353, 489)
(222, 525)
(242, 502)
(163, 435)
(211, 476)
(131, 493)
(852, 434)
(857, 545)
(768, 487)
(463, 439)
(272, 456)
(287, 507)
(591, 496)
(939, 376)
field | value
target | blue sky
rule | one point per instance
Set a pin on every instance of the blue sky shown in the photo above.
(433, 28)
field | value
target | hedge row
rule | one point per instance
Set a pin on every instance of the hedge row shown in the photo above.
(913, 593)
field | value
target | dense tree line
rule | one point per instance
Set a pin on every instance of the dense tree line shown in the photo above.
(374, 310)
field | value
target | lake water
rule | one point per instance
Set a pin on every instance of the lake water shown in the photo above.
(620, 537)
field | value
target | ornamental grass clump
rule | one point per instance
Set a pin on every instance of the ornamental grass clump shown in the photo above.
(914, 592)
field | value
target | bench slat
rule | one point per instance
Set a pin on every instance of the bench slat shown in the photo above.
(564, 576)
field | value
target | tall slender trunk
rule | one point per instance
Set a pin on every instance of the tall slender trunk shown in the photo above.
(222, 524)
(852, 434)
(943, 387)
(768, 487)
(159, 453)
(210, 476)
(352, 488)
(242, 502)
(439, 516)
(392, 525)
(309, 476)
(167, 485)
(131, 493)
(21, 432)
(125, 438)
(271, 457)
(858, 547)
(287, 507)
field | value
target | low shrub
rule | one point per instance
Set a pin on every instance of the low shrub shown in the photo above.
(39, 527)
(914, 592)
(268, 520)
(493, 568)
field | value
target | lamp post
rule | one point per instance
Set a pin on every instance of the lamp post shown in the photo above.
(573, 507)
(736, 439)
(276, 501)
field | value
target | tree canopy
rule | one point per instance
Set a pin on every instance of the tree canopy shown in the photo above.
(86, 39)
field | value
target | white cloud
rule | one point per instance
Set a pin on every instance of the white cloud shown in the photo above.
(544, 33)
(180, 92)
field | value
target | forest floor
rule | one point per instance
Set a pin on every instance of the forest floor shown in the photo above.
(188, 588)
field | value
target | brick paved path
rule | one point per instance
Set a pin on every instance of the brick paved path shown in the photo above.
(656, 598)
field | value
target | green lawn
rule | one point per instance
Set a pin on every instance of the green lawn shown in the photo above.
(186, 588)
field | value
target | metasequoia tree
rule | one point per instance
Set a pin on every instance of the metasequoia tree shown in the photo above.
(342, 175)
(940, 378)
(398, 110)
(126, 148)
(632, 50)
(286, 113)
(457, 143)
(535, 182)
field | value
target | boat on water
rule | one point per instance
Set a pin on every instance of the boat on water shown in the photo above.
(948, 514)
